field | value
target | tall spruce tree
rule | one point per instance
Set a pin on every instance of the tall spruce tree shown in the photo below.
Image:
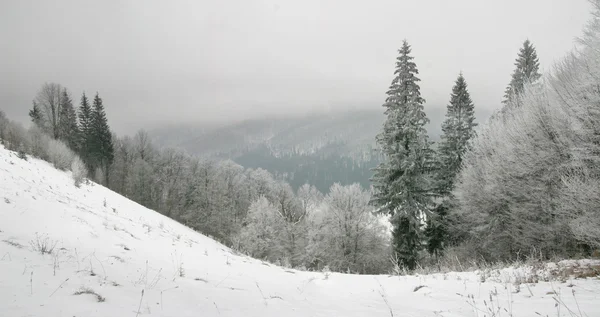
(401, 183)
(102, 149)
(86, 133)
(527, 70)
(68, 128)
(458, 128)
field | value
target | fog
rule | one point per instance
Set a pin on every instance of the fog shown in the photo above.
(159, 62)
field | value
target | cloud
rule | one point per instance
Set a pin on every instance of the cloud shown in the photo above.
(158, 61)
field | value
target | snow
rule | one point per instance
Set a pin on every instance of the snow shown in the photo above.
(142, 263)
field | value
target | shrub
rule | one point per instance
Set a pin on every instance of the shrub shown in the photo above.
(22, 154)
(43, 244)
(78, 170)
(60, 155)
(38, 141)
(15, 136)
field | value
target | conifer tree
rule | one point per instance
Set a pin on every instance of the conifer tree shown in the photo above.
(436, 230)
(36, 115)
(86, 135)
(68, 128)
(527, 70)
(458, 128)
(401, 183)
(101, 144)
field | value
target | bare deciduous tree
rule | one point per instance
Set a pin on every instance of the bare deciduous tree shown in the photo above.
(48, 99)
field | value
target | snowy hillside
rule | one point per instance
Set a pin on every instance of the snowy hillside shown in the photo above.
(67, 251)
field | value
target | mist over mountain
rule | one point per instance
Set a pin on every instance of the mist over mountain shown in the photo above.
(319, 149)
(295, 134)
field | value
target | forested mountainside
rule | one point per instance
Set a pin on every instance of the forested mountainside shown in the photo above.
(320, 170)
(318, 149)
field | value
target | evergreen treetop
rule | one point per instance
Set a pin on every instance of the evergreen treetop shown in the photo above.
(36, 115)
(527, 70)
(102, 144)
(85, 115)
(86, 137)
(458, 128)
(68, 128)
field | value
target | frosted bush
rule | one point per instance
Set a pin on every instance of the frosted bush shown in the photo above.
(60, 155)
(78, 170)
(39, 143)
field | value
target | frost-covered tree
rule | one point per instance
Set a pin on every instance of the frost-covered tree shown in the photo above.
(261, 237)
(575, 86)
(529, 185)
(78, 171)
(289, 209)
(261, 183)
(310, 198)
(199, 198)
(231, 200)
(122, 165)
(143, 146)
(509, 186)
(527, 71)
(346, 235)
(140, 183)
(38, 142)
(215, 198)
(48, 99)
(401, 183)
(15, 137)
(170, 176)
(60, 155)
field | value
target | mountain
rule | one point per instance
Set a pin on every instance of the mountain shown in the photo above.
(87, 251)
(318, 149)
(283, 135)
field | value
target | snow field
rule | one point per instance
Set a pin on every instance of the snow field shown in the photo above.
(122, 259)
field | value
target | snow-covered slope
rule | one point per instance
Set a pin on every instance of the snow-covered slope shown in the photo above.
(142, 263)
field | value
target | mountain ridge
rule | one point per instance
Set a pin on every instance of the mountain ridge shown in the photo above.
(319, 149)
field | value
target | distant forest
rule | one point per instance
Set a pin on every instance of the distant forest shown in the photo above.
(321, 171)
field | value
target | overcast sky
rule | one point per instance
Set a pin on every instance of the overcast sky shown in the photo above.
(175, 61)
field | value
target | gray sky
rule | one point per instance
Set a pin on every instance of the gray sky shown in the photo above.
(171, 61)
